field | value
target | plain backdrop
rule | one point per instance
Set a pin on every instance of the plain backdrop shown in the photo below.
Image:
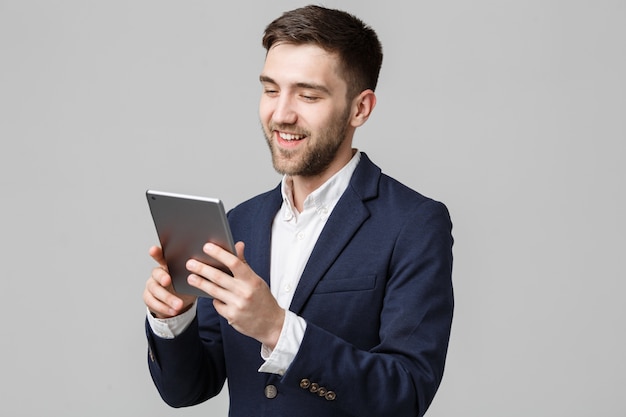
(513, 113)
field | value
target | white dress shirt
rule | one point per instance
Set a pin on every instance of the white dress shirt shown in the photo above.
(294, 235)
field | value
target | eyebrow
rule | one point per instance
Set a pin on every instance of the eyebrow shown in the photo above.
(303, 85)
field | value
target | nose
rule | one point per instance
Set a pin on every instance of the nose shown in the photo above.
(284, 112)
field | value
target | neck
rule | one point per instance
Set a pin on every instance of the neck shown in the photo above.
(302, 186)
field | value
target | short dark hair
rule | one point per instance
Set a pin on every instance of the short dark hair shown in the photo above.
(336, 31)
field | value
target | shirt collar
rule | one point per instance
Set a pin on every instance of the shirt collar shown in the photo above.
(324, 198)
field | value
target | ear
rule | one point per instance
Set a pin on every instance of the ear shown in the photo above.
(362, 105)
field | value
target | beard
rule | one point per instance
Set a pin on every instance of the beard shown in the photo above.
(313, 159)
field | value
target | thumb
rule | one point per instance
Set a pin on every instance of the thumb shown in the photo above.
(239, 247)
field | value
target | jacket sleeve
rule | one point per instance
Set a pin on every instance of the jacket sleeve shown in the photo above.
(400, 375)
(189, 368)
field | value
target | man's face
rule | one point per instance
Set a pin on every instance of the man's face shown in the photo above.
(304, 110)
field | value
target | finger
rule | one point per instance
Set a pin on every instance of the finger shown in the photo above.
(162, 276)
(239, 247)
(158, 308)
(222, 310)
(232, 262)
(157, 254)
(213, 289)
(163, 290)
(204, 275)
(160, 300)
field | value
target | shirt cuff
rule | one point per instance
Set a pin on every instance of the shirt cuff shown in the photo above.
(278, 360)
(174, 326)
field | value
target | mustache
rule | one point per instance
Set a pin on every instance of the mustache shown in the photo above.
(293, 129)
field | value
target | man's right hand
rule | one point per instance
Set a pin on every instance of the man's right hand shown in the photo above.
(159, 294)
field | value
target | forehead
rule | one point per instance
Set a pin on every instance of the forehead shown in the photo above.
(291, 64)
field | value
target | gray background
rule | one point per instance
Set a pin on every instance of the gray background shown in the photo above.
(512, 113)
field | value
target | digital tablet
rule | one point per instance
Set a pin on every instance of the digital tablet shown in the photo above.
(184, 224)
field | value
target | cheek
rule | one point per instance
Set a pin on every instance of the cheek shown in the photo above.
(265, 111)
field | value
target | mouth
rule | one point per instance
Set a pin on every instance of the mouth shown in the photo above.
(290, 137)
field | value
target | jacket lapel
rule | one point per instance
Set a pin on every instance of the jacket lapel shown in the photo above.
(346, 218)
(258, 249)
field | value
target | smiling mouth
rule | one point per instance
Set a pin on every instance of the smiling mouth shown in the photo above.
(289, 137)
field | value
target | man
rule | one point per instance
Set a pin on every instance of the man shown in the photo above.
(340, 303)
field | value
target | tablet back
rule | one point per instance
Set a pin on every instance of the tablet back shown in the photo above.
(184, 223)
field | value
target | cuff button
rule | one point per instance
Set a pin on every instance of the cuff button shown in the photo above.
(271, 392)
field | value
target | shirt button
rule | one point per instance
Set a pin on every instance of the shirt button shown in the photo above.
(287, 288)
(300, 235)
(271, 391)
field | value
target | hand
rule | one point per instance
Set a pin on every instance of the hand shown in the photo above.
(243, 299)
(159, 294)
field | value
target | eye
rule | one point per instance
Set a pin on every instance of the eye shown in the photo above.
(308, 98)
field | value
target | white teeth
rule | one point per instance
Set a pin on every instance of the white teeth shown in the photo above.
(287, 136)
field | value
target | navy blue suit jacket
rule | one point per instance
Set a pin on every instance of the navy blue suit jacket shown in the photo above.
(377, 297)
